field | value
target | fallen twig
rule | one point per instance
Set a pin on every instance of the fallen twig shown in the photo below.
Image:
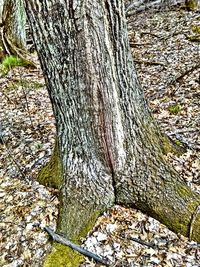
(183, 141)
(194, 216)
(132, 44)
(11, 156)
(27, 104)
(58, 238)
(177, 79)
(148, 244)
(156, 63)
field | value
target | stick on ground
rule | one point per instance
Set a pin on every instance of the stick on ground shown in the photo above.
(60, 239)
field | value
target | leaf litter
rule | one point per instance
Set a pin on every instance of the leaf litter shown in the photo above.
(164, 58)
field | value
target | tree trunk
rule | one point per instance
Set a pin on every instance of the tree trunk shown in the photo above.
(13, 33)
(111, 150)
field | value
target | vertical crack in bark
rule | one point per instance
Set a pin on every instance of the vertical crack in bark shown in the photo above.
(105, 140)
(71, 10)
(72, 15)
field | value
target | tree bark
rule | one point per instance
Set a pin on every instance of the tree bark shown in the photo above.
(13, 20)
(111, 150)
(13, 33)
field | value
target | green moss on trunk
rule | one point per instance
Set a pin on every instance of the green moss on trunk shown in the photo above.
(51, 174)
(170, 146)
(186, 223)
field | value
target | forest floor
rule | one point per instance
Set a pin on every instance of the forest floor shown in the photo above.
(166, 50)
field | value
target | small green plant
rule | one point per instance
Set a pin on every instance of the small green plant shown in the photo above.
(196, 29)
(178, 142)
(174, 109)
(39, 146)
(10, 62)
(191, 4)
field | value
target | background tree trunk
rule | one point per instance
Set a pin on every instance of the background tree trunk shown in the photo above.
(13, 30)
(111, 149)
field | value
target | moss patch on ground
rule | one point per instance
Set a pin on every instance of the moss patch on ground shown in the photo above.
(174, 109)
(62, 256)
(191, 4)
(14, 85)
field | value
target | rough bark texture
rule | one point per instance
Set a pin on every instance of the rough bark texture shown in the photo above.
(12, 30)
(13, 20)
(110, 147)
